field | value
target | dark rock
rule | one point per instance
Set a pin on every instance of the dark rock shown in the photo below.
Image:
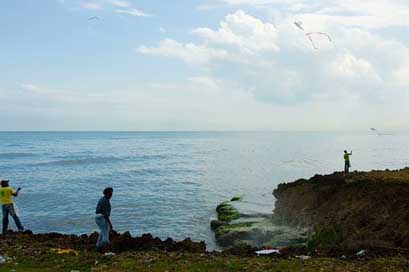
(214, 224)
(359, 209)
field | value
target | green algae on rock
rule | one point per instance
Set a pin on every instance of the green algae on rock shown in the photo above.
(226, 212)
(233, 229)
(237, 198)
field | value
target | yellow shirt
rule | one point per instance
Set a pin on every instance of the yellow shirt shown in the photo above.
(5, 195)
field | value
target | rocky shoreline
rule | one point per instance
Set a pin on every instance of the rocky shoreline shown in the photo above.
(57, 252)
(337, 222)
(336, 212)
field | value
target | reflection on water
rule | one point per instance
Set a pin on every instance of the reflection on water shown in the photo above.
(169, 183)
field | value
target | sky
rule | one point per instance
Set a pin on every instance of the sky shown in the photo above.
(204, 65)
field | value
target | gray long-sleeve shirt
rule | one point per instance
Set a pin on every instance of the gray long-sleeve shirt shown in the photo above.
(103, 207)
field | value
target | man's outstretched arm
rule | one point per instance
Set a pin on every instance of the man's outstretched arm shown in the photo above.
(16, 192)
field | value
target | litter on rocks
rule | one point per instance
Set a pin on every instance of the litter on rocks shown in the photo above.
(4, 259)
(109, 254)
(267, 252)
(303, 257)
(61, 251)
(361, 253)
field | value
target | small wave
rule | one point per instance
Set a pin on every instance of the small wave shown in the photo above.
(82, 161)
(15, 155)
(151, 157)
(161, 172)
(14, 145)
(148, 172)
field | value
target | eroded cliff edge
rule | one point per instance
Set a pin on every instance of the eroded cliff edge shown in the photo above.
(359, 209)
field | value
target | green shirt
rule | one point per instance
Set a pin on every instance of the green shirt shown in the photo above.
(346, 157)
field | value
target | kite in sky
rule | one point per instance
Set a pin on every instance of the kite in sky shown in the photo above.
(93, 18)
(310, 35)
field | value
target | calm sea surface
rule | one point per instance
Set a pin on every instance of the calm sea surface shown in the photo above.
(169, 183)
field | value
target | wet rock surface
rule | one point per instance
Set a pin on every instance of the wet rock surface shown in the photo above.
(237, 230)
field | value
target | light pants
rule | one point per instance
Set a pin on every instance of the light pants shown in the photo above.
(8, 209)
(103, 237)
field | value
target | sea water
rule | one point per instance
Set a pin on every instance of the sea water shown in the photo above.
(169, 183)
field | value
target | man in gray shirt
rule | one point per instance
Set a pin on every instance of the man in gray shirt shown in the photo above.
(103, 221)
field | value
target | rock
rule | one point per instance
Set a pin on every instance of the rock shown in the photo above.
(120, 242)
(361, 253)
(214, 224)
(226, 212)
(2, 260)
(233, 228)
(236, 198)
(361, 209)
(241, 250)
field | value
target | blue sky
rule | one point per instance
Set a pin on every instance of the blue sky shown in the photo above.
(203, 65)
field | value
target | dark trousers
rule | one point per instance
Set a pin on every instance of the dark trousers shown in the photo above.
(347, 165)
(8, 209)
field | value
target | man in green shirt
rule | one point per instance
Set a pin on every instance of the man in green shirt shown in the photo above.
(347, 162)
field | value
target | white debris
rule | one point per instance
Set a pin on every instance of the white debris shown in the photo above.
(267, 252)
(303, 257)
(109, 254)
(3, 259)
(361, 253)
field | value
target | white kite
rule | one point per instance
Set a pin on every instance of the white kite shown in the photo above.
(311, 34)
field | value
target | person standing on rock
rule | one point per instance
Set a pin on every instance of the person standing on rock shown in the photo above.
(103, 221)
(6, 194)
(347, 162)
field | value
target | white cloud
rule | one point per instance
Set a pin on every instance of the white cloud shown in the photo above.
(117, 6)
(190, 53)
(59, 95)
(247, 33)
(249, 72)
(365, 13)
(30, 87)
(276, 66)
(349, 66)
(120, 3)
(90, 5)
(133, 12)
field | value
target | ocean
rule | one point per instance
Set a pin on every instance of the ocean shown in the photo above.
(169, 183)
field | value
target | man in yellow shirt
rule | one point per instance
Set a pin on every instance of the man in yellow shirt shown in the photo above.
(6, 194)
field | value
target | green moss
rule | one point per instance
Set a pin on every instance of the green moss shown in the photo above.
(226, 212)
(237, 198)
(328, 237)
